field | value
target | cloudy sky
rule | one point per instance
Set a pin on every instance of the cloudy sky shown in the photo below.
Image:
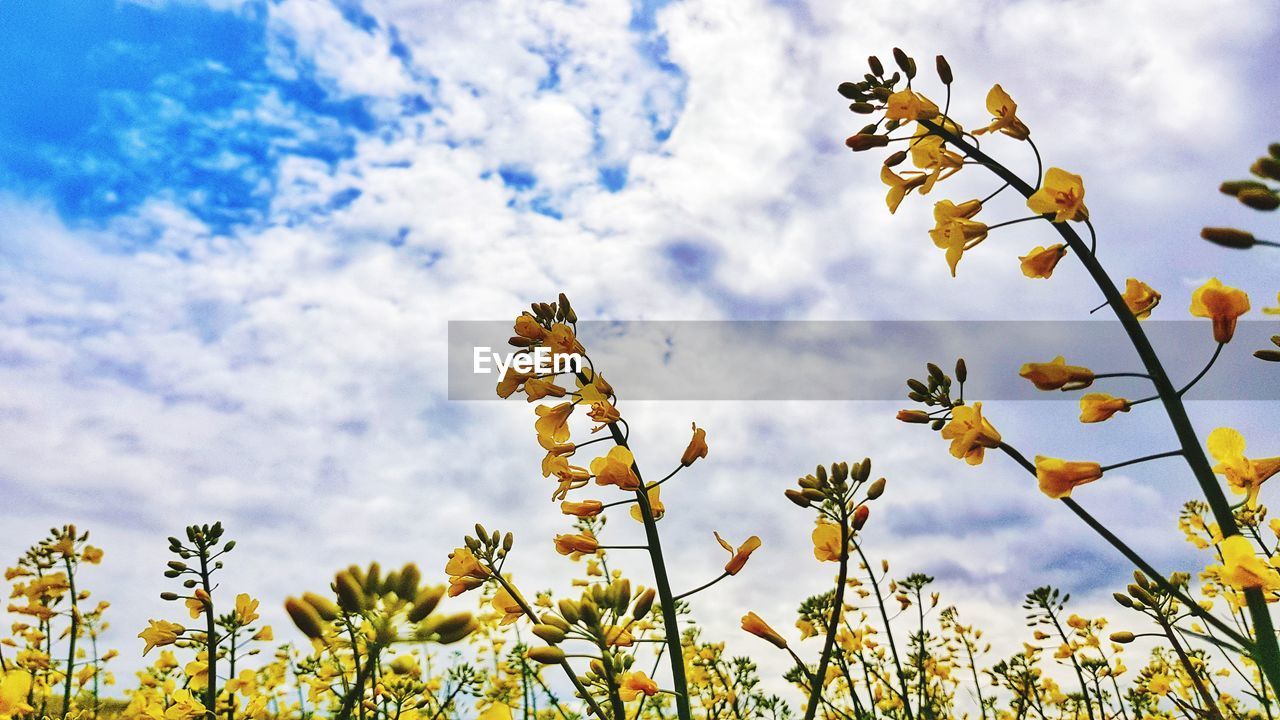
(234, 233)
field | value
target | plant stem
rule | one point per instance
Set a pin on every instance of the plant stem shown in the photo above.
(1266, 650)
(75, 630)
(211, 639)
(837, 609)
(669, 621)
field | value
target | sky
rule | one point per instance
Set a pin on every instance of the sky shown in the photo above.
(235, 232)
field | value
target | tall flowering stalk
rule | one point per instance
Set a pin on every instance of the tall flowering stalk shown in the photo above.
(939, 147)
(551, 329)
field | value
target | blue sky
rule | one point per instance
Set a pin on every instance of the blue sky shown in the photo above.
(235, 232)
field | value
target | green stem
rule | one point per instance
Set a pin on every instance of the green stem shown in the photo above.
(211, 639)
(837, 608)
(1267, 650)
(670, 623)
(75, 630)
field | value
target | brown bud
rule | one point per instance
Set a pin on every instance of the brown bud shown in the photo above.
(895, 159)
(849, 91)
(1124, 637)
(1258, 198)
(876, 489)
(1228, 237)
(863, 141)
(1266, 167)
(1268, 355)
(877, 68)
(944, 70)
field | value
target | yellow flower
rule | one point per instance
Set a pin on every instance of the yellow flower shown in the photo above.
(615, 469)
(197, 672)
(655, 505)
(246, 608)
(899, 186)
(562, 341)
(507, 606)
(15, 686)
(738, 557)
(909, 106)
(826, 542)
(1244, 476)
(617, 636)
(196, 603)
(955, 230)
(552, 424)
(1039, 263)
(465, 571)
(583, 543)
(697, 447)
(596, 389)
(160, 632)
(604, 413)
(1243, 569)
(970, 433)
(1273, 310)
(586, 508)
(185, 706)
(1223, 304)
(1061, 195)
(91, 555)
(536, 388)
(1057, 375)
(753, 624)
(496, 711)
(527, 326)
(1096, 407)
(511, 381)
(1058, 477)
(1004, 115)
(938, 163)
(633, 684)
(1140, 298)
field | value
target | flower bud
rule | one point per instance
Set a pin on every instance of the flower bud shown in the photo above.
(1268, 355)
(1228, 237)
(962, 370)
(304, 617)
(876, 489)
(944, 70)
(644, 603)
(895, 159)
(324, 607)
(1266, 167)
(862, 108)
(1233, 187)
(569, 610)
(1258, 198)
(799, 499)
(1122, 599)
(1124, 637)
(913, 416)
(546, 655)
(849, 90)
(350, 596)
(864, 141)
(425, 603)
(877, 68)
(860, 516)
(549, 633)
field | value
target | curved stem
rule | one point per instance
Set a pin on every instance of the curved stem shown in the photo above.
(671, 626)
(1217, 351)
(1267, 650)
(702, 587)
